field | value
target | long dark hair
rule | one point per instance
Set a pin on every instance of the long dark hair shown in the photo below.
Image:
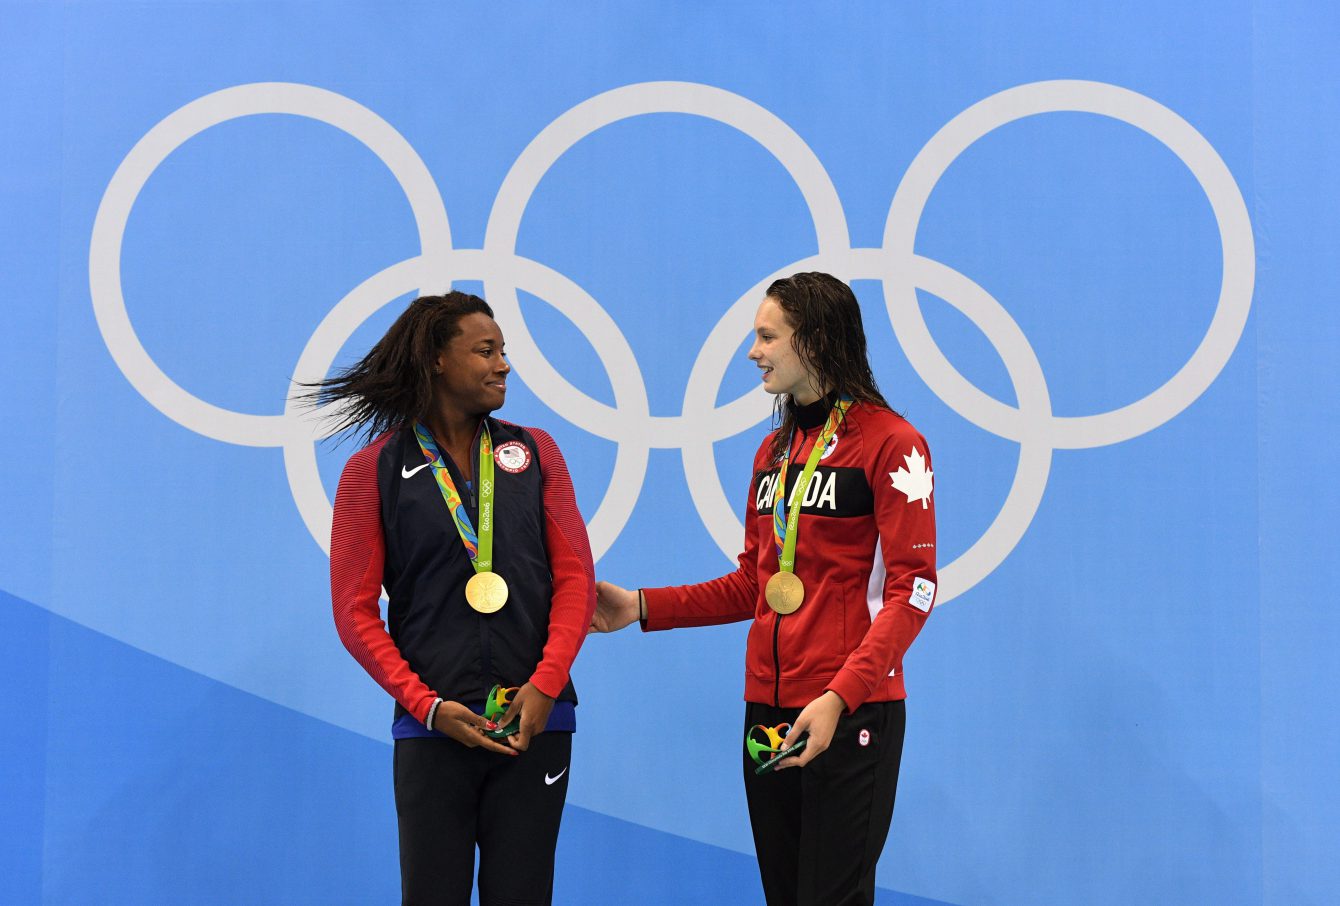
(393, 384)
(829, 340)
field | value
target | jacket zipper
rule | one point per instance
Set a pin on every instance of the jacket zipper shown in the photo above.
(776, 662)
(777, 617)
(474, 451)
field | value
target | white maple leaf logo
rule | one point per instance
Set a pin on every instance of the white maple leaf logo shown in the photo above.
(914, 481)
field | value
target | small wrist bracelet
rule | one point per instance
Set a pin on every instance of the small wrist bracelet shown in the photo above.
(641, 606)
(432, 712)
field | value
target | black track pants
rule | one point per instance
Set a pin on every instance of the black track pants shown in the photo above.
(450, 799)
(819, 830)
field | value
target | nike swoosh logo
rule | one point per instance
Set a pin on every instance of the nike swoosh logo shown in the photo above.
(406, 473)
(549, 781)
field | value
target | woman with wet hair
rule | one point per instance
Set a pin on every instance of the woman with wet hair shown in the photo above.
(470, 525)
(838, 576)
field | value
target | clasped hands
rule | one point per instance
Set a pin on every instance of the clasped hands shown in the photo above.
(529, 706)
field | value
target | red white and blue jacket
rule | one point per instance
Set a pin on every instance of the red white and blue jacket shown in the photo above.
(865, 552)
(392, 529)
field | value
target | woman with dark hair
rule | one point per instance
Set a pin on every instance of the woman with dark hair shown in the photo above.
(471, 526)
(838, 576)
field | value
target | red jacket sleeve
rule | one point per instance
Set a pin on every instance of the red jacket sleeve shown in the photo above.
(902, 480)
(729, 599)
(574, 574)
(357, 555)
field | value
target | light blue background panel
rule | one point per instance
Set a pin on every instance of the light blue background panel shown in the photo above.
(1093, 250)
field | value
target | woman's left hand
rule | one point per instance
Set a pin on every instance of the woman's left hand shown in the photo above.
(820, 719)
(532, 707)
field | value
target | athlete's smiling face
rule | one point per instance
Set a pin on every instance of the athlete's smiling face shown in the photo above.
(774, 351)
(471, 370)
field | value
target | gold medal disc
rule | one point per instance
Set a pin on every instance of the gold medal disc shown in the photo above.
(486, 592)
(785, 592)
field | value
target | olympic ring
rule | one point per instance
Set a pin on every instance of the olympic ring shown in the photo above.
(109, 227)
(630, 463)
(1230, 213)
(701, 422)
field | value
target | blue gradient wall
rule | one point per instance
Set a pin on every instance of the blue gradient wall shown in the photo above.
(1093, 249)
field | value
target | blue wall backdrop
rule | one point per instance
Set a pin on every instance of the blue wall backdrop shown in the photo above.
(1094, 244)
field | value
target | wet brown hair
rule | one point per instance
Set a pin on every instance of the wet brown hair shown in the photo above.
(829, 340)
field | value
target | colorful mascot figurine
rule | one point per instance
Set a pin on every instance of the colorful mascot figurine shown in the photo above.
(765, 746)
(494, 708)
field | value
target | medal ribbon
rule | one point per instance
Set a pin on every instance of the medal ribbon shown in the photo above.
(479, 546)
(786, 520)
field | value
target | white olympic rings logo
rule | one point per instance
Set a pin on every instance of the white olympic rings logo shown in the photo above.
(629, 423)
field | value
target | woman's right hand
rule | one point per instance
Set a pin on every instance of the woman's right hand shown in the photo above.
(615, 608)
(466, 727)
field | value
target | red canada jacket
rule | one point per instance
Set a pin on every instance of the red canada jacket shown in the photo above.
(865, 551)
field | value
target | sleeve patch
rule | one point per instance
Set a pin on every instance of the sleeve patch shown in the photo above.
(916, 480)
(923, 594)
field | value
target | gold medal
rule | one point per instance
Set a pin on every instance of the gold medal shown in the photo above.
(785, 592)
(486, 592)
